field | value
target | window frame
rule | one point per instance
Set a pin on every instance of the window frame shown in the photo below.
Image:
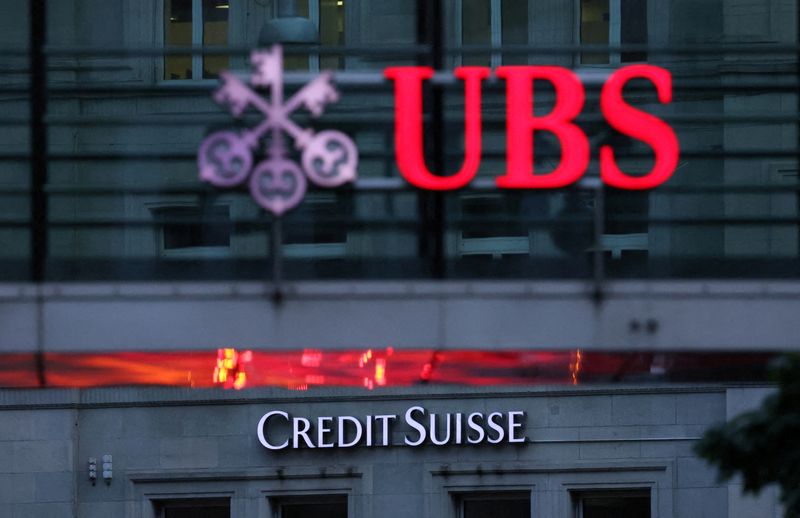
(160, 507)
(578, 496)
(495, 30)
(462, 497)
(328, 250)
(495, 246)
(614, 35)
(193, 252)
(314, 57)
(197, 42)
(278, 501)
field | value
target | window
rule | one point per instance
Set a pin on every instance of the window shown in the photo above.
(194, 23)
(509, 505)
(193, 509)
(329, 16)
(190, 228)
(612, 504)
(495, 23)
(315, 229)
(310, 507)
(625, 227)
(503, 236)
(613, 22)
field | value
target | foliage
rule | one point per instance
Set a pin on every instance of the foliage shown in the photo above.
(763, 446)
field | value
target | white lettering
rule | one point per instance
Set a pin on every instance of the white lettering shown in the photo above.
(357, 423)
(434, 420)
(476, 427)
(496, 427)
(262, 437)
(322, 430)
(297, 432)
(376, 430)
(385, 419)
(415, 425)
(513, 424)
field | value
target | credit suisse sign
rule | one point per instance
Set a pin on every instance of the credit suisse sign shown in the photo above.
(376, 430)
(330, 158)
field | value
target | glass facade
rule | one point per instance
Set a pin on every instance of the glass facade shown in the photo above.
(118, 159)
(121, 157)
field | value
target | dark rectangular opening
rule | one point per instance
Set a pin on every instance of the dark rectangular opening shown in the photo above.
(192, 227)
(496, 505)
(310, 507)
(194, 509)
(613, 504)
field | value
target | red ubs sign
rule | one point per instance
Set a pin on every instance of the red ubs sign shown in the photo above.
(521, 124)
(330, 158)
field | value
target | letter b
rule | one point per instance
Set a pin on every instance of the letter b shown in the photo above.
(521, 123)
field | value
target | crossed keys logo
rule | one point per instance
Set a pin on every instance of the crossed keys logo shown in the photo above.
(225, 158)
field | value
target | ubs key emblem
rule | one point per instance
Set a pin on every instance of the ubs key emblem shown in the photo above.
(328, 158)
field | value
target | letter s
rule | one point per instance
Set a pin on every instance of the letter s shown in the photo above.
(262, 438)
(474, 426)
(639, 125)
(496, 427)
(415, 425)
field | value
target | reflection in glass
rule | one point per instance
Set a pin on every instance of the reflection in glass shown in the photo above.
(476, 29)
(215, 33)
(331, 31)
(514, 18)
(178, 32)
(634, 28)
(293, 60)
(595, 18)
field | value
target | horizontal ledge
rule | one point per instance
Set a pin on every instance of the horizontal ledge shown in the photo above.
(513, 289)
(238, 475)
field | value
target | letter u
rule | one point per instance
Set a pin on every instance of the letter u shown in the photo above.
(434, 440)
(408, 138)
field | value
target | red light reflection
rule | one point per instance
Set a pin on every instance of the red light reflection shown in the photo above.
(375, 367)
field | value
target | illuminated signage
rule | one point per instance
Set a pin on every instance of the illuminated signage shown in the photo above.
(329, 158)
(376, 430)
(225, 159)
(521, 124)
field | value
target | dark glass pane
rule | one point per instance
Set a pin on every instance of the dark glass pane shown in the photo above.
(616, 507)
(215, 511)
(178, 32)
(320, 510)
(476, 29)
(514, 19)
(331, 31)
(215, 33)
(500, 211)
(595, 18)
(293, 60)
(626, 212)
(634, 27)
(184, 227)
(316, 223)
(498, 508)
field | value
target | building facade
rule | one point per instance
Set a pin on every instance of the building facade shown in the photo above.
(614, 327)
